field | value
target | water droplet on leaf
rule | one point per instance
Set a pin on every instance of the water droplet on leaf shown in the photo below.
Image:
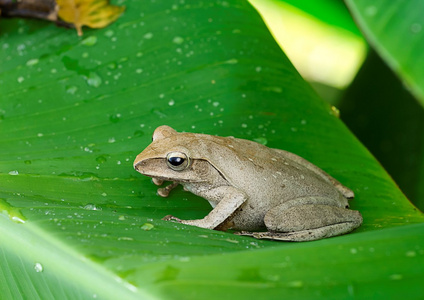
(91, 206)
(93, 79)
(38, 267)
(32, 62)
(147, 226)
(90, 41)
(178, 40)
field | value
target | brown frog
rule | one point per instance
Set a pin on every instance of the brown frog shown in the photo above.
(250, 186)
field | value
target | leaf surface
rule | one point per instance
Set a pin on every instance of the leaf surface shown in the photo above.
(395, 30)
(75, 113)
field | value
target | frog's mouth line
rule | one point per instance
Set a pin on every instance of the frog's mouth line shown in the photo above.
(139, 168)
(170, 179)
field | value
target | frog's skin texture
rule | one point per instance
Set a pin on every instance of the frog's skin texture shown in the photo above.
(250, 187)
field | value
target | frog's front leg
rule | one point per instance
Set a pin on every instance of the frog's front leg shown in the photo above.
(229, 200)
(307, 222)
(164, 191)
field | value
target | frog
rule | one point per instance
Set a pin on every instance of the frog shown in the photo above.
(254, 190)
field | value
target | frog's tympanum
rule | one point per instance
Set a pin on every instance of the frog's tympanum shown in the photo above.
(251, 187)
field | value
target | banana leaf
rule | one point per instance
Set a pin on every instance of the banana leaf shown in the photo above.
(78, 222)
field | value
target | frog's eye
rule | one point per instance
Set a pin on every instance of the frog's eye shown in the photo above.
(177, 161)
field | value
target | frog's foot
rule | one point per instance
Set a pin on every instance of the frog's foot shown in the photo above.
(280, 236)
(298, 236)
(164, 192)
(171, 218)
(249, 233)
(157, 181)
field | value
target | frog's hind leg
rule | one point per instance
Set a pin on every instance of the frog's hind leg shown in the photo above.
(307, 222)
(298, 236)
(348, 193)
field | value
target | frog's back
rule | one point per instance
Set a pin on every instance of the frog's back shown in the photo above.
(262, 172)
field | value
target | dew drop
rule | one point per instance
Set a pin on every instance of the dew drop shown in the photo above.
(232, 241)
(184, 258)
(18, 219)
(101, 159)
(295, 284)
(371, 11)
(232, 61)
(91, 206)
(32, 62)
(261, 140)
(71, 90)
(147, 226)
(38, 267)
(93, 79)
(138, 133)
(109, 33)
(14, 173)
(115, 118)
(178, 40)
(148, 36)
(396, 277)
(90, 41)
(158, 113)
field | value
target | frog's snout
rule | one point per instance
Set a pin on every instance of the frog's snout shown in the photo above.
(138, 165)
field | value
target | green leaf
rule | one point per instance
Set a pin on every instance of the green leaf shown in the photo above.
(362, 266)
(331, 12)
(78, 222)
(395, 30)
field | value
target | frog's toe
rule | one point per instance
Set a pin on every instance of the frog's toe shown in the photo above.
(171, 218)
(247, 233)
(266, 235)
(164, 192)
(157, 181)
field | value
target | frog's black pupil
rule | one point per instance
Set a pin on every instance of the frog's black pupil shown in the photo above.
(175, 160)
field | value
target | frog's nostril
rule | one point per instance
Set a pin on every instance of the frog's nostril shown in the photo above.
(138, 166)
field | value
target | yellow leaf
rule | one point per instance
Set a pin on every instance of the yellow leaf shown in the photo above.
(91, 13)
